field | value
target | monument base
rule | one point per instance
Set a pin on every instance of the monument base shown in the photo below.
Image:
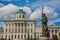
(44, 38)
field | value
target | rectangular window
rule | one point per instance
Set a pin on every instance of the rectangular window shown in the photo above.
(11, 36)
(22, 24)
(31, 30)
(15, 24)
(22, 30)
(18, 36)
(21, 36)
(9, 29)
(18, 24)
(15, 36)
(23, 16)
(12, 30)
(15, 30)
(25, 36)
(28, 31)
(9, 24)
(19, 16)
(6, 24)
(19, 30)
(25, 30)
(6, 29)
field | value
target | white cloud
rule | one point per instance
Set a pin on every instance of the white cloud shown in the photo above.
(53, 3)
(51, 14)
(8, 10)
(27, 10)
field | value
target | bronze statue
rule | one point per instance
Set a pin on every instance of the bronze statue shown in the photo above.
(45, 32)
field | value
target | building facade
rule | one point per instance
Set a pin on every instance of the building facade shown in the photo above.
(21, 28)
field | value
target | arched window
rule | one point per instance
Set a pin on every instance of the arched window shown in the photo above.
(23, 16)
(19, 16)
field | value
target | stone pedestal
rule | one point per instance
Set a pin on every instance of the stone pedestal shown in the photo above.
(44, 38)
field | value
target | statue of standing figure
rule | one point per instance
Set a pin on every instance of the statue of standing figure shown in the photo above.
(45, 32)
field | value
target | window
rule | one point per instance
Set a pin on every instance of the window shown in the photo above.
(22, 24)
(18, 24)
(6, 24)
(25, 25)
(9, 29)
(15, 30)
(12, 30)
(22, 30)
(31, 36)
(15, 36)
(9, 24)
(18, 36)
(52, 31)
(11, 36)
(6, 29)
(19, 16)
(28, 30)
(25, 30)
(12, 24)
(55, 31)
(31, 30)
(23, 16)
(28, 24)
(31, 24)
(25, 36)
(19, 30)
(15, 24)
(21, 36)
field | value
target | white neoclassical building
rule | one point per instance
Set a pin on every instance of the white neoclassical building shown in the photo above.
(21, 28)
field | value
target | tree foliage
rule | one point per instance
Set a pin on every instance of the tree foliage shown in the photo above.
(54, 37)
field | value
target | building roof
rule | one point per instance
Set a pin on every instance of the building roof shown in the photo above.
(54, 27)
(14, 20)
(20, 11)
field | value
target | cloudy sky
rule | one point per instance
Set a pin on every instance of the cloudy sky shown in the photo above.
(32, 8)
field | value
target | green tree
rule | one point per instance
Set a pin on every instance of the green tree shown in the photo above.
(54, 37)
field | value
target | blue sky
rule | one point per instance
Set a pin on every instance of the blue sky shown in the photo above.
(51, 9)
